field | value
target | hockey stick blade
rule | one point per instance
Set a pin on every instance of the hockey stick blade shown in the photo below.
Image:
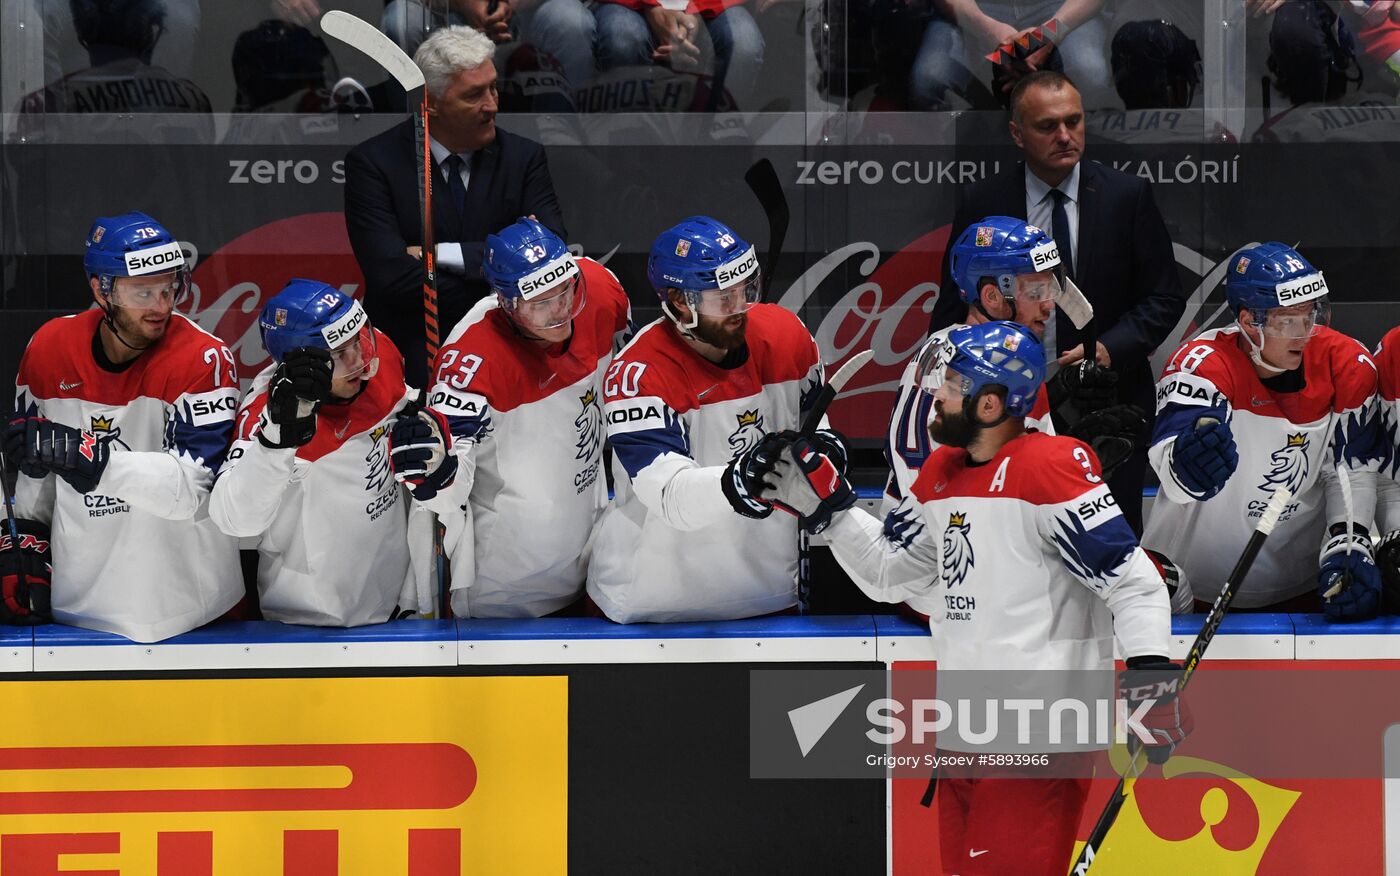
(360, 34)
(833, 386)
(1074, 305)
(763, 181)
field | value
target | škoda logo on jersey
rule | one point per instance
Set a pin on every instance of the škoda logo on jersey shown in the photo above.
(1289, 465)
(958, 558)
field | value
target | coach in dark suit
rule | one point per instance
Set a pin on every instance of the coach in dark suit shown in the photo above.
(1112, 241)
(487, 179)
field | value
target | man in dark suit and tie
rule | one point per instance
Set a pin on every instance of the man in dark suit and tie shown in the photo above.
(487, 179)
(1113, 244)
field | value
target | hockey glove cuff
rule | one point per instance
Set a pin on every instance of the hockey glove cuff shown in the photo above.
(420, 453)
(1204, 456)
(77, 456)
(1348, 584)
(1149, 687)
(25, 574)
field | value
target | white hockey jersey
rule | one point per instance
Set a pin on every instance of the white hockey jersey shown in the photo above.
(1157, 125)
(331, 522)
(527, 427)
(1388, 400)
(1027, 559)
(1285, 439)
(1356, 118)
(139, 555)
(670, 547)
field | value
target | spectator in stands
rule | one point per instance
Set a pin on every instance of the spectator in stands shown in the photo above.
(966, 30)
(120, 37)
(561, 29)
(486, 179)
(1112, 243)
(719, 37)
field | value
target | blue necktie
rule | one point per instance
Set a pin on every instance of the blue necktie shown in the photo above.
(454, 164)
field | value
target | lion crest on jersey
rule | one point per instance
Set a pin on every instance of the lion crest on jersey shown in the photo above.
(105, 427)
(748, 434)
(957, 549)
(377, 460)
(589, 424)
(1290, 465)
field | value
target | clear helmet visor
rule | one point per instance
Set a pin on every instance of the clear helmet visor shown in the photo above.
(550, 309)
(1298, 321)
(732, 300)
(357, 357)
(931, 369)
(153, 291)
(1034, 289)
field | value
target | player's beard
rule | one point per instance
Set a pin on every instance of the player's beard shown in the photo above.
(133, 330)
(951, 429)
(714, 332)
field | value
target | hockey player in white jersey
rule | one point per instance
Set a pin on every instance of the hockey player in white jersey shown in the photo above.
(123, 415)
(1005, 270)
(1387, 484)
(1032, 566)
(509, 451)
(687, 402)
(308, 474)
(1276, 399)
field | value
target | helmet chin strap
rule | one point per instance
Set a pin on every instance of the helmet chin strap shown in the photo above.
(685, 328)
(116, 333)
(1256, 351)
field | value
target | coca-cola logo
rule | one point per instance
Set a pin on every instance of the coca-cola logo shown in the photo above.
(886, 311)
(231, 285)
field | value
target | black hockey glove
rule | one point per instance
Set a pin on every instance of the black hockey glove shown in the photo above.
(1113, 433)
(749, 473)
(1388, 561)
(76, 456)
(809, 485)
(831, 444)
(420, 452)
(15, 458)
(1166, 720)
(300, 385)
(25, 574)
(1078, 390)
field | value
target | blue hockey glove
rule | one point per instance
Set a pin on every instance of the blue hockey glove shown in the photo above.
(1167, 720)
(1350, 585)
(1204, 457)
(809, 484)
(747, 475)
(420, 452)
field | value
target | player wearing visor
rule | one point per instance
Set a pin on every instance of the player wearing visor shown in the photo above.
(1276, 399)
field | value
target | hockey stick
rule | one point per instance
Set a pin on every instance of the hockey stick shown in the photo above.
(1344, 580)
(360, 34)
(1267, 521)
(828, 393)
(763, 182)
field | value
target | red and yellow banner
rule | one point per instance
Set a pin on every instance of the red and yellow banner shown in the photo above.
(302, 777)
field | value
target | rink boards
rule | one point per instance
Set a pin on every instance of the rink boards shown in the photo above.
(433, 748)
